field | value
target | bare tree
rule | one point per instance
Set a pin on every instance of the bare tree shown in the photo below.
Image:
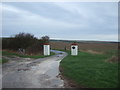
(45, 39)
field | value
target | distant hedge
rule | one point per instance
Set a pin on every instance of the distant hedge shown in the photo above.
(26, 41)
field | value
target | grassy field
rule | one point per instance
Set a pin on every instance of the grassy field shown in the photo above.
(91, 70)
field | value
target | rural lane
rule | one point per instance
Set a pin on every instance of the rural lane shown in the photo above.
(38, 73)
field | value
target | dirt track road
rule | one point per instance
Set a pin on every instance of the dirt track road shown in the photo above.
(28, 73)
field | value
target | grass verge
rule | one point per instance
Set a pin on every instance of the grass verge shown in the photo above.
(90, 70)
(8, 53)
(3, 60)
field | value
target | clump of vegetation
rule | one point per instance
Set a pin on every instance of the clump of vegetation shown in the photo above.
(112, 59)
(25, 42)
(3, 60)
(37, 47)
(23, 45)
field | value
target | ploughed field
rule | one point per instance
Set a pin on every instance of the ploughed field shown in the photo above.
(86, 46)
(96, 65)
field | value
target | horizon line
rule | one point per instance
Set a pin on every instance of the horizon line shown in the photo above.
(73, 39)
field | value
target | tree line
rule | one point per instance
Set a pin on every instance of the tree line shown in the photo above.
(26, 41)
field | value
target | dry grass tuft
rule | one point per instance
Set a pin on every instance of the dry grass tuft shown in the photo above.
(112, 59)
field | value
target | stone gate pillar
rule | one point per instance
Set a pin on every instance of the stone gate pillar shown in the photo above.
(74, 49)
(46, 49)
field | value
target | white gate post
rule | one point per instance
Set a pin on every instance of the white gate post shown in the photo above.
(46, 49)
(74, 49)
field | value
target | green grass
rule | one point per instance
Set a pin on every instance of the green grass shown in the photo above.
(3, 60)
(36, 56)
(91, 70)
(7, 53)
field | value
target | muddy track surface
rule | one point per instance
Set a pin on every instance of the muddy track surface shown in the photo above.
(29, 73)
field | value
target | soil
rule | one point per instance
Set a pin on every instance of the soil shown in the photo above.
(61, 45)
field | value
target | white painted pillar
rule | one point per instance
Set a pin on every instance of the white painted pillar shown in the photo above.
(74, 49)
(46, 49)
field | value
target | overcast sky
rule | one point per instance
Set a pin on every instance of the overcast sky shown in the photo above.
(62, 20)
